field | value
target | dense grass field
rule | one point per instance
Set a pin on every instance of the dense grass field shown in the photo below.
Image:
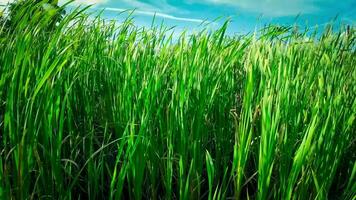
(90, 109)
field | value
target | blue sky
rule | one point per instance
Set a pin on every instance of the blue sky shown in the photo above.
(246, 15)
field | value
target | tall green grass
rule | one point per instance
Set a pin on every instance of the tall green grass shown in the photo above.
(97, 110)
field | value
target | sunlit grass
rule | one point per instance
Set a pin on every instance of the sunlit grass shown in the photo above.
(97, 110)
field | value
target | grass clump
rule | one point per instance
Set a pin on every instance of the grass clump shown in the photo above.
(91, 109)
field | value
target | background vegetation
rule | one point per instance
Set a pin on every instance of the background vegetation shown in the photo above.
(90, 109)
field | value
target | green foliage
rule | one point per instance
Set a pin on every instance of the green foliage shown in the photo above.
(22, 13)
(98, 110)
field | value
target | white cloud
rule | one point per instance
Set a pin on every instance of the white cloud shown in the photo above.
(138, 4)
(159, 14)
(156, 6)
(84, 2)
(270, 7)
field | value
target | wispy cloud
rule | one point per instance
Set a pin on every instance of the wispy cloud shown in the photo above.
(269, 7)
(162, 6)
(159, 14)
(85, 2)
